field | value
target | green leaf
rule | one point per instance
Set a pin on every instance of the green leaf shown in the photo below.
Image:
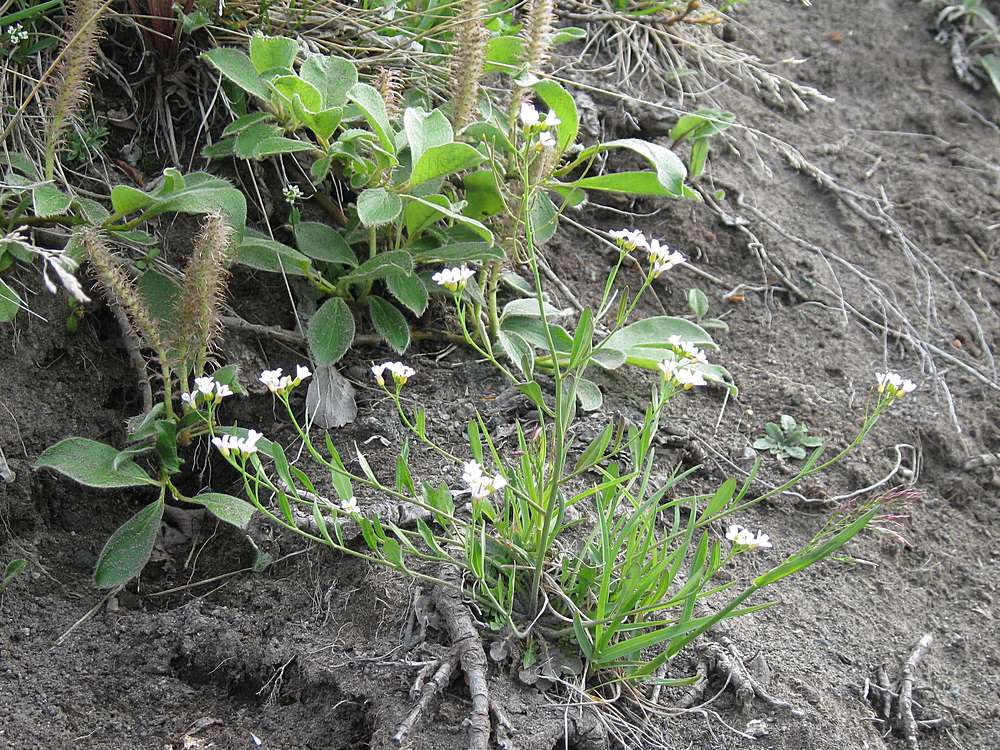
(460, 252)
(49, 200)
(280, 145)
(127, 550)
(92, 464)
(270, 52)
(226, 508)
(991, 64)
(544, 218)
(389, 322)
(235, 65)
(425, 130)
(482, 197)
(290, 87)
(699, 154)
(373, 109)
(324, 123)
(566, 34)
(504, 54)
(440, 161)
(418, 216)
(409, 290)
(476, 226)
(10, 303)
(12, 569)
(321, 242)
(697, 302)
(704, 123)
(670, 170)
(251, 137)
(630, 183)
(202, 193)
(561, 102)
(332, 76)
(243, 122)
(266, 254)
(382, 265)
(378, 206)
(518, 351)
(330, 331)
(655, 332)
(127, 200)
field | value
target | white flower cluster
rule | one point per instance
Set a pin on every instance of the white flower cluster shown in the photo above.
(746, 539)
(454, 278)
(279, 384)
(478, 483)
(400, 372)
(533, 122)
(239, 446)
(680, 368)
(292, 194)
(661, 257)
(893, 385)
(206, 389)
(17, 34)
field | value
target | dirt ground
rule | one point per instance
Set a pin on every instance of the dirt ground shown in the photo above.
(314, 651)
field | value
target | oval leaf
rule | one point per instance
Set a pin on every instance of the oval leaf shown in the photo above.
(409, 290)
(321, 242)
(440, 161)
(226, 508)
(377, 206)
(127, 550)
(331, 331)
(92, 464)
(390, 323)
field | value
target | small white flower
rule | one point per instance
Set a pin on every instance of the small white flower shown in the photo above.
(189, 399)
(350, 505)
(688, 378)
(17, 34)
(479, 484)
(301, 373)
(235, 445)
(205, 385)
(454, 278)
(527, 80)
(400, 372)
(894, 385)
(744, 538)
(545, 139)
(221, 391)
(551, 121)
(629, 239)
(529, 115)
(684, 350)
(682, 373)
(661, 257)
(276, 382)
(292, 194)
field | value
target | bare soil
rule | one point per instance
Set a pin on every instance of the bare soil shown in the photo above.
(312, 651)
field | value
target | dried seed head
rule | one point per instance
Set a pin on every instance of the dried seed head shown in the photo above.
(71, 80)
(390, 86)
(204, 289)
(538, 30)
(119, 289)
(471, 41)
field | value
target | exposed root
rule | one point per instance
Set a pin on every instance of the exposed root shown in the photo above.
(721, 658)
(471, 655)
(424, 690)
(895, 705)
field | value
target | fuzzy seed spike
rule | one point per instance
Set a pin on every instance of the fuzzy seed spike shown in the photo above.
(78, 58)
(205, 279)
(119, 289)
(390, 86)
(468, 59)
(538, 30)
